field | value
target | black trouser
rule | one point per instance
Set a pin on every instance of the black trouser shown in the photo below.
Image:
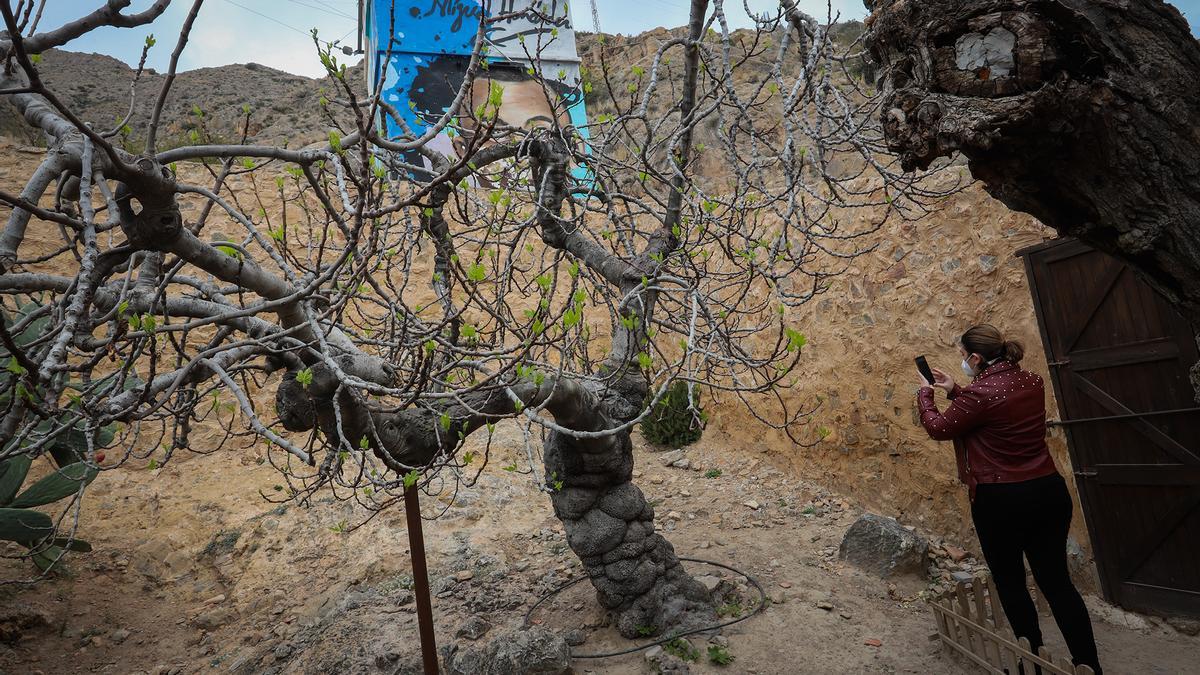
(1032, 518)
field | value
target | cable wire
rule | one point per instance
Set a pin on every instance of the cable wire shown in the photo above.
(285, 25)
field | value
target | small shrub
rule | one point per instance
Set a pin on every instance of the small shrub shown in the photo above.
(223, 542)
(712, 473)
(719, 655)
(672, 422)
(682, 649)
(730, 609)
(400, 582)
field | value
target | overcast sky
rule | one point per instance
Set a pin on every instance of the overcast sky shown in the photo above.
(276, 32)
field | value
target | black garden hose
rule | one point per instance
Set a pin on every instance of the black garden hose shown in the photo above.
(762, 602)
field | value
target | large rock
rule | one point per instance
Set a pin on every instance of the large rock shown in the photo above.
(532, 651)
(884, 547)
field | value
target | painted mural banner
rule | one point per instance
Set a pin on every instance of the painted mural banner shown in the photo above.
(422, 48)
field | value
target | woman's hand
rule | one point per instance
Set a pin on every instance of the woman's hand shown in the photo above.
(943, 381)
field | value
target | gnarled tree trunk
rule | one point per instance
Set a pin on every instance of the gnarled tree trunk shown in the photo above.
(610, 526)
(1083, 113)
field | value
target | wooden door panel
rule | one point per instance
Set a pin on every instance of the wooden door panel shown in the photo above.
(1119, 359)
(1152, 540)
(1144, 426)
(1088, 318)
(1136, 353)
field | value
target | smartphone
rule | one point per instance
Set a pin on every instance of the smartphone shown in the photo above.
(923, 368)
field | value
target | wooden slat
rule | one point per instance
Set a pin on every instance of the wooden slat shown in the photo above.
(1024, 662)
(1009, 661)
(943, 629)
(960, 592)
(1144, 351)
(991, 648)
(1147, 474)
(1084, 670)
(964, 609)
(940, 606)
(1030, 659)
(1011, 648)
(977, 586)
(962, 636)
(953, 629)
(998, 618)
(996, 649)
(1046, 656)
(970, 655)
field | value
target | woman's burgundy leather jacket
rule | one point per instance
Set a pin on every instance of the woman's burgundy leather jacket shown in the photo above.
(997, 423)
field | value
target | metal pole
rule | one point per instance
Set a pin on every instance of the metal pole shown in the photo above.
(416, 545)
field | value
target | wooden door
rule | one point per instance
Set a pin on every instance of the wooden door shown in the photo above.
(1119, 358)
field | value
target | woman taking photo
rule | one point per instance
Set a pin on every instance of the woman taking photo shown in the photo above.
(1019, 502)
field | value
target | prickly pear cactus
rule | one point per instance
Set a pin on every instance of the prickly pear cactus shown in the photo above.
(20, 522)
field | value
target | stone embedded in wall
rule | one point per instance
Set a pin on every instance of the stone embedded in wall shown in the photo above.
(896, 272)
(917, 259)
(988, 263)
(862, 321)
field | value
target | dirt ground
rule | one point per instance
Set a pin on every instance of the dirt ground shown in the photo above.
(194, 572)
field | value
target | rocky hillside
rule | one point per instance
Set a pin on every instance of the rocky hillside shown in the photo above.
(284, 108)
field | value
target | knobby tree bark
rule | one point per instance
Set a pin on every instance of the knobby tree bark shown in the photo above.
(1083, 113)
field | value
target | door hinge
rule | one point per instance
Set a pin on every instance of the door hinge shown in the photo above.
(1063, 362)
(1087, 473)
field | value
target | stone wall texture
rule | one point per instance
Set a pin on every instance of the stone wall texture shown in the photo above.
(924, 284)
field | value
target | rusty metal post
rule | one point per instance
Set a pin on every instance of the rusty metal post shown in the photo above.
(416, 545)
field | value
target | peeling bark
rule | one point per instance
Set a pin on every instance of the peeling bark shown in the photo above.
(1083, 113)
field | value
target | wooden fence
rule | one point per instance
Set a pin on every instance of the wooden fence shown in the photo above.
(970, 620)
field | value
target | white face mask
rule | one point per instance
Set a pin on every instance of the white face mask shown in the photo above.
(967, 369)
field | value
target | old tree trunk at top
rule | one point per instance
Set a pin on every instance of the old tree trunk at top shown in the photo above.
(1083, 113)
